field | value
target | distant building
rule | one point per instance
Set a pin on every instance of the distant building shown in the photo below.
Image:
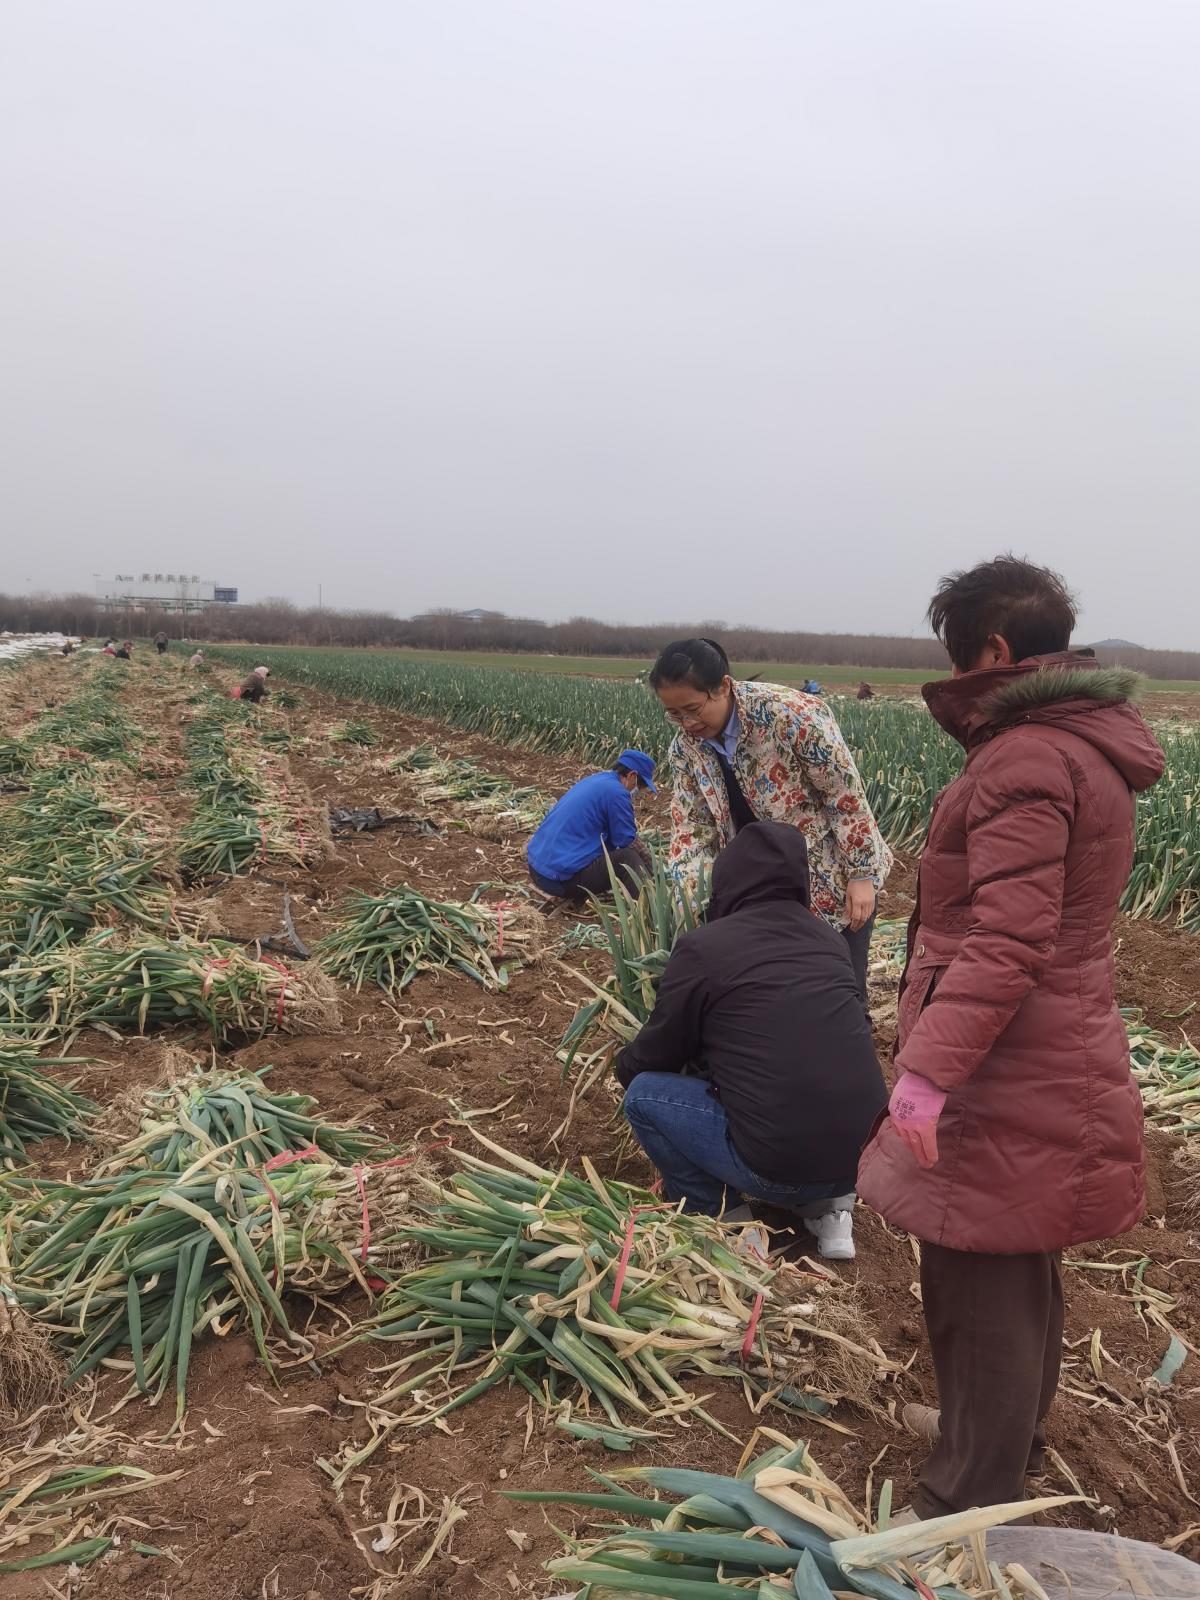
(478, 615)
(163, 591)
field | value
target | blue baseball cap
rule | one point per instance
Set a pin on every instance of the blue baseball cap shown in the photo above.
(638, 761)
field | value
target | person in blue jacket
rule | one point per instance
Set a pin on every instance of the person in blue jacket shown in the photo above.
(566, 855)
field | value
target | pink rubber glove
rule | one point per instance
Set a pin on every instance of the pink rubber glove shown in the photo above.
(914, 1108)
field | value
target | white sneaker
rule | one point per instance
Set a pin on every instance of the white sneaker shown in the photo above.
(834, 1233)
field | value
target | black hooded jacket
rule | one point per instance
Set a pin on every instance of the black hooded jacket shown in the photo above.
(762, 1001)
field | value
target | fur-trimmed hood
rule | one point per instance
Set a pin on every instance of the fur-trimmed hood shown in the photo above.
(1069, 691)
(1046, 685)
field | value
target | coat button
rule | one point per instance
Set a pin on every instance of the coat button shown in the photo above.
(920, 950)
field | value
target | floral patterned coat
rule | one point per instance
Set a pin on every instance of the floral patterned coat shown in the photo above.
(793, 766)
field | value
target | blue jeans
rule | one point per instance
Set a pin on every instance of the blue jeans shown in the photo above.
(685, 1132)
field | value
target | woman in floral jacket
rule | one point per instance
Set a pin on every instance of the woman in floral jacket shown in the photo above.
(759, 752)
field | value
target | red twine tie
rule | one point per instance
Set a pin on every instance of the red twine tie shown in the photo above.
(627, 1249)
(360, 1179)
(366, 1213)
(285, 1159)
(269, 961)
(755, 1314)
(211, 974)
(500, 910)
(310, 1152)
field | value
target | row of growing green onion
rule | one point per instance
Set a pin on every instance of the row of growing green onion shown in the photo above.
(904, 757)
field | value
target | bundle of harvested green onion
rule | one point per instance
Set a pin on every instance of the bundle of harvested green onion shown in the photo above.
(781, 1528)
(147, 1260)
(388, 939)
(58, 1504)
(888, 946)
(92, 724)
(218, 842)
(215, 1110)
(34, 1105)
(17, 756)
(420, 758)
(548, 1279)
(1168, 1076)
(477, 791)
(72, 857)
(352, 732)
(246, 811)
(132, 987)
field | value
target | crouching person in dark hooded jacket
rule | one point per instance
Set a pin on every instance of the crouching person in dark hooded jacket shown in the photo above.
(755, 1077)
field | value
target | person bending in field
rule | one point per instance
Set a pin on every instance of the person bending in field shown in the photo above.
(755, 1077)
(160, 643)
(590, 826)
(758, 752)
(196, 661)
(1015, 1128)
(253, 687)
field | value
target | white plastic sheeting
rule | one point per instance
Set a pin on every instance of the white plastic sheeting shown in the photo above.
(15, 645)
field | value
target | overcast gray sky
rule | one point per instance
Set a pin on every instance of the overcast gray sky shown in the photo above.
(765, 310)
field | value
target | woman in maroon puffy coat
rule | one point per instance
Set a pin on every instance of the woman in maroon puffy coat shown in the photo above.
(1015, 1127)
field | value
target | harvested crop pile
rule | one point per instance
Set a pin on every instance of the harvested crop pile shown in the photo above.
(33, 1104)
(579, 1289)
(133, 986)
(388, 939)
(476, 792)
(146, 1261)
(780, 1528)
(74, 858)
(210, 1111)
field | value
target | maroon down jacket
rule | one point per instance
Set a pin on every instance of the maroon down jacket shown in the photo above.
(1008, 998)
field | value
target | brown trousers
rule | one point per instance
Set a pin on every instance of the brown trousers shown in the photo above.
(995, 1327)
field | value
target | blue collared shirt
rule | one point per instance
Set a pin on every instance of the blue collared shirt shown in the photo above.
(726, 740)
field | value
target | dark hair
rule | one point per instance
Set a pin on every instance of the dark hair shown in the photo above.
(623, 772)
(699, 662)
(1030, 607)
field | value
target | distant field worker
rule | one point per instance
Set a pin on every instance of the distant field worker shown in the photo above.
(196, 661)
(160, 643)
(759, 752)
(253, 687)
(865, 691)
(1015, 1128)
(125, 653)
(566, 855)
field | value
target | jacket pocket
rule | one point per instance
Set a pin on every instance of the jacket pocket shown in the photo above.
(917, 994)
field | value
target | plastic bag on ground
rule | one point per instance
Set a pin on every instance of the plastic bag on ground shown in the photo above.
(1072, 1564)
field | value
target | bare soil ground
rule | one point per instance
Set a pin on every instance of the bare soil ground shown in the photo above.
(254, 1515)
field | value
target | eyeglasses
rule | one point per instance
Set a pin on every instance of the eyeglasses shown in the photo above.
(688, 713)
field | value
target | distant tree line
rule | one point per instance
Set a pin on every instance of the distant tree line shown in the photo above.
(278, 621)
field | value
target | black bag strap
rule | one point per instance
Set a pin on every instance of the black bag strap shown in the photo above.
(739, 806)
